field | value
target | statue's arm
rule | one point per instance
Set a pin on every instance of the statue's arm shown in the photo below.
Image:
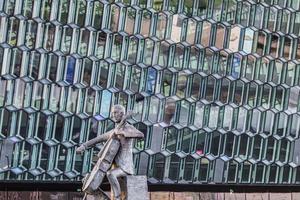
(92, 142)
(132, 132)
(99, 138)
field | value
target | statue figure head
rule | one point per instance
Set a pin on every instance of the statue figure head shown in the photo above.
(118, 112)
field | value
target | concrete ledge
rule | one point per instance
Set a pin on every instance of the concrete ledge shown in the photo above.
(23, 195)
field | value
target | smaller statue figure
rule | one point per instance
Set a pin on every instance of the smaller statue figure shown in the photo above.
(116, 152)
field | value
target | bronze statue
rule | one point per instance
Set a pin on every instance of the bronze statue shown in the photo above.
(117, 150)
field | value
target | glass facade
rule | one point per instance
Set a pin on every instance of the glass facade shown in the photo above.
(215, 85)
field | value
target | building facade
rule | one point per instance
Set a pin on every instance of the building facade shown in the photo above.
(214, 85)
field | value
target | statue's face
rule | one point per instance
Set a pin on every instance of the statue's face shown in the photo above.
(117, 114)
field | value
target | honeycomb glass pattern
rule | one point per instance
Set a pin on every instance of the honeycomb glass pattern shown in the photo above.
(214, 85)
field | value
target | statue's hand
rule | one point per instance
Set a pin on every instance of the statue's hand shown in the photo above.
(119, 133)
(80, 149)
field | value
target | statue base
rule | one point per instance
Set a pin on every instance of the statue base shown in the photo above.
(135, 188)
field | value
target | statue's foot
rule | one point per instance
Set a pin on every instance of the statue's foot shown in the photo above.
(96, 197)
(99, 195)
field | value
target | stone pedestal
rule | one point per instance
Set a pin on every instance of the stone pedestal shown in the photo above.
(134, 188)
(137, 188)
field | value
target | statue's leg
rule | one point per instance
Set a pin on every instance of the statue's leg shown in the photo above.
(112, 176)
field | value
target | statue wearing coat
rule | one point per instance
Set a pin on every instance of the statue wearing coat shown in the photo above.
(117, 150)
